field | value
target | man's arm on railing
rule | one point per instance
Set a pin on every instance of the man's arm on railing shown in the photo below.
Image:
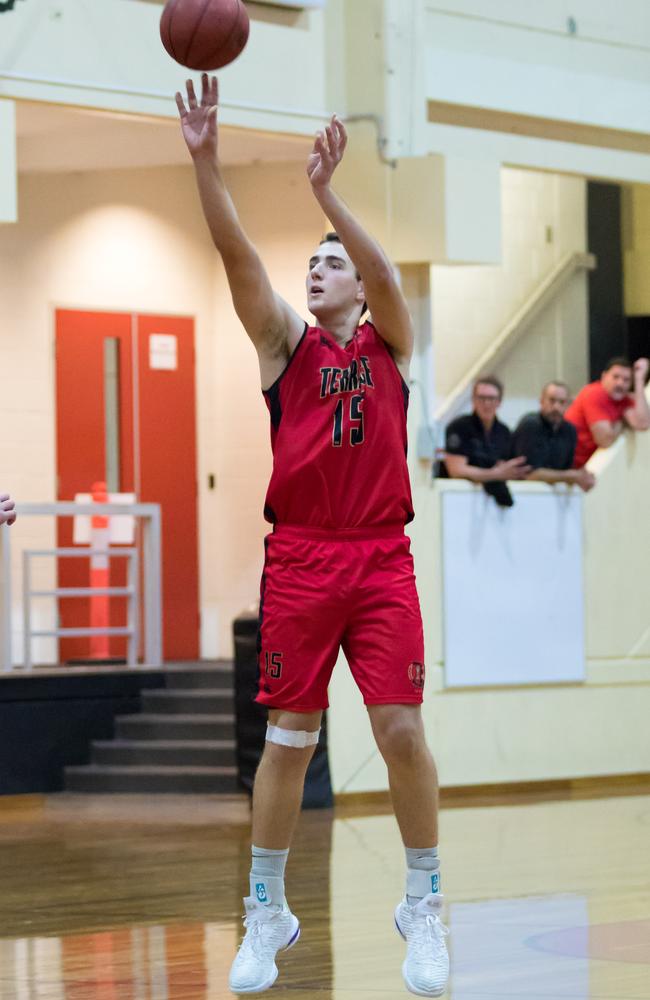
(574, 477)
(458, 467)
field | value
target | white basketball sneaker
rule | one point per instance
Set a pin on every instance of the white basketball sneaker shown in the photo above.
(269, 929)
(426, 966)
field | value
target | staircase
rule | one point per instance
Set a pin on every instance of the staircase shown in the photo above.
(182, 741)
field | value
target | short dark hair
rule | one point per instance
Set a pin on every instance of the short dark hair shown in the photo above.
(621, 361)
(489, 380)
(558, 382)
(335, 238)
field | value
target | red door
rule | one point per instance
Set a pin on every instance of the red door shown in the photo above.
(134, 423)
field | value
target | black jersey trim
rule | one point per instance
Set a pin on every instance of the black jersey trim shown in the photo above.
(271, 388)
(406, 390)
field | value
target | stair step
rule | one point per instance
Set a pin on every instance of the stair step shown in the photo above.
(205, 753)
(218, 675)
(97, 778)
(205, 701)
(152, 726)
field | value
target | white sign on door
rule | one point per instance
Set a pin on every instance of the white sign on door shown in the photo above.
(163, 351)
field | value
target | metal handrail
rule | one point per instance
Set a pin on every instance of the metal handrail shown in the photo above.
(503, 343)
(131, 630)
(149, 514)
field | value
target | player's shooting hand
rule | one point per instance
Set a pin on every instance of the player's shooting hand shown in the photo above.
(7, 509)
(199, 121)
(329, 146)
(641, 367)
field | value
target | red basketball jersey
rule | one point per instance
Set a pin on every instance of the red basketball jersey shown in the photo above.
(338, 433)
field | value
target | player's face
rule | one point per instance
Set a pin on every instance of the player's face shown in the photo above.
(332, 282)
(554, 402)
(617, 381)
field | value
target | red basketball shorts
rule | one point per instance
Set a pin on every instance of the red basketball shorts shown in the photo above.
(322, 591)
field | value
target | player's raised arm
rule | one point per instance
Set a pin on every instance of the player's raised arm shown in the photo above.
(387, 305)
(272, 325)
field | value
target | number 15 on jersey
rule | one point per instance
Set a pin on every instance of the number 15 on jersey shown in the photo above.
(348, 414)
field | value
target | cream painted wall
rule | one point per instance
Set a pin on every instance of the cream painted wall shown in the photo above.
(550, 731)
(543, 217)
(637, 250)
(135, 240)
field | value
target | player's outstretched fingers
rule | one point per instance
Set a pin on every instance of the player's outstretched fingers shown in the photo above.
(191, 95)
(341, 131)
(180, 104)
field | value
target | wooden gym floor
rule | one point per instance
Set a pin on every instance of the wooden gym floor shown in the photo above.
(134, 898)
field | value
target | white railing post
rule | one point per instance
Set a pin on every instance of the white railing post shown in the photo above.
(151, 543)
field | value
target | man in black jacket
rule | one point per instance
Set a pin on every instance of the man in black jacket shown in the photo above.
(549, 441)
(479, 447)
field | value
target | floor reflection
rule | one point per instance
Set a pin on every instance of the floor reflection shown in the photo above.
(112, 906)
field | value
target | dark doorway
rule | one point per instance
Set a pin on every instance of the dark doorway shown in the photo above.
(607, 326)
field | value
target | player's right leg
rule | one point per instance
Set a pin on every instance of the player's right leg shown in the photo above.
(270, 925)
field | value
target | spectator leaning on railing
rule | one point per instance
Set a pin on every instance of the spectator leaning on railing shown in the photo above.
(478, 447)
(548, 440)
(604, 408)
(7, 509)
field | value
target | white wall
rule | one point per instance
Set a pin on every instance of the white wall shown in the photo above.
(522, 59)
(551, 731)
(543, 217)
(135, 240)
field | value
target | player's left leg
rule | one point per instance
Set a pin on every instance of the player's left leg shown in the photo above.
(384, 645)
(413, 783)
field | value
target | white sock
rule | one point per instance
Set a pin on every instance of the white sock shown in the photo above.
(422, 873)
(267, 875)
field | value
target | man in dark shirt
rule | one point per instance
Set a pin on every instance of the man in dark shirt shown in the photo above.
(548, 440)
(478, 446)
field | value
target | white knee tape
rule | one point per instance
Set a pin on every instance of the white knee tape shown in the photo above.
(291, 737)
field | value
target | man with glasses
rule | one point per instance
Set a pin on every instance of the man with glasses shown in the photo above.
(479, 447)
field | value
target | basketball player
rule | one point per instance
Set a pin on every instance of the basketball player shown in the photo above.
(7, 509)
(338, 569)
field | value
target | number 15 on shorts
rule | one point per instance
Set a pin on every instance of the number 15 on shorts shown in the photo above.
(273, 665)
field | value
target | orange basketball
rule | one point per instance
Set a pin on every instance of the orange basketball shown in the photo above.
(204, 34)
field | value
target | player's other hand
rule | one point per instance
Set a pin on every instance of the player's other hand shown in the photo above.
(329, 146)
(641, 368)
(199, 121)
(514, 468)
(7, 509)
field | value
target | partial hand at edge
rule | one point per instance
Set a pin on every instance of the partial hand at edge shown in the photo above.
(7, 509)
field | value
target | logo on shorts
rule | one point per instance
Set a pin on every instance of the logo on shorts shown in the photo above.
(416, 675)
(260, 891)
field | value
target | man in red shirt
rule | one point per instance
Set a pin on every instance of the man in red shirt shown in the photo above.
(338, 572)
(603, 409)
